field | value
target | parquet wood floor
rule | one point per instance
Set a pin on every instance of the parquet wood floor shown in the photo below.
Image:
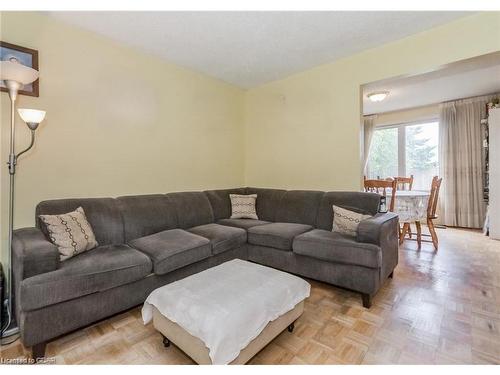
(440, 308)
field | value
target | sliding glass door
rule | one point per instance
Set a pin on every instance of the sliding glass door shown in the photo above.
(404, 150)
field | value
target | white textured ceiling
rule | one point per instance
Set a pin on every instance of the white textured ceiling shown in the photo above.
(473, 77)
(251, 48)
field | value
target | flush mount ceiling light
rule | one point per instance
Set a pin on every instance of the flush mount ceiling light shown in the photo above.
(378, 96)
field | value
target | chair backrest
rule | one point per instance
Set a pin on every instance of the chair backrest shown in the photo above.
(380, 187)
(433, 197)
(404, 183)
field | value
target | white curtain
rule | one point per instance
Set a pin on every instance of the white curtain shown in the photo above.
(368, 130)
(461, 162)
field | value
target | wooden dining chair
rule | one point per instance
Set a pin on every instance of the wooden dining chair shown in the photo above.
(431, 216)
(381, 187)
(404, 183)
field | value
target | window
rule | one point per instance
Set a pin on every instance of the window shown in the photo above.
(404, 150)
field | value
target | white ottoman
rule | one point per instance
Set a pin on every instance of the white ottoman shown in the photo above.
(227, 313)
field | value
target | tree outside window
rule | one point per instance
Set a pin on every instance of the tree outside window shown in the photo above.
(404, 150)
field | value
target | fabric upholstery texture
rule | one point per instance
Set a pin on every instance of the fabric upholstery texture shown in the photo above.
(124, 277)
(364, 203)
(382, 230)
(220, 202)
(267, 203)
(192, 208)
(350, 276)
(146, 214)
(222, 237)
(242, 223)
(172, 249)
(51, 321)
(70, 232)
(96, 270)
(299, 206)
(347, 221)
(278, 235)
(103, 215)
(33, 252)
(336, 247)
(243, 206)
(370, 230)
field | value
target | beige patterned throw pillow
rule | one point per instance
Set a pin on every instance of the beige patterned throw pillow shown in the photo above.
(243, 206)
(346, 221)
(71, 233)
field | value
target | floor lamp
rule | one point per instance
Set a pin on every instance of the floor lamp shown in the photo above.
(15, 76)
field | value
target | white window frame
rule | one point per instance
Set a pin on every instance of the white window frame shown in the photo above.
(401, 141)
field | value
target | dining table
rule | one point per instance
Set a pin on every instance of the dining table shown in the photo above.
(410, 205)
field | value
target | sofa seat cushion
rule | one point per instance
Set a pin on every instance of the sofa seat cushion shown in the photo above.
(336, 247)
(277, 235)
(222, 237)
(96, 270)
(172, 249)
(242, 223)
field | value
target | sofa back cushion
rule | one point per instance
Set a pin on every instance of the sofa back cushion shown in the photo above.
(220, 202)
(146, 214)
(363, 203)
(299, 206)
(192, 208)
(103, 214)
(268, 201)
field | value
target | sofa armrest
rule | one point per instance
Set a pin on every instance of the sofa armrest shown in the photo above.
(377, 228)
(32, 254)
(382, 230)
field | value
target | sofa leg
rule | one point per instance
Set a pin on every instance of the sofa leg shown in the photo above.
(391, 275)
(367, 300)
(38, 350)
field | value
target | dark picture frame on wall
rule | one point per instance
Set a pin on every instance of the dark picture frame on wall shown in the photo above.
(26, 56)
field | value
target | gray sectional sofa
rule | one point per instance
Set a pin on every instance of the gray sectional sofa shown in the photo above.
(150, 240)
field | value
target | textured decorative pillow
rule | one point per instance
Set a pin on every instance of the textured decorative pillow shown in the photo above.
(243, 206)
(71, 233)
(346, 221)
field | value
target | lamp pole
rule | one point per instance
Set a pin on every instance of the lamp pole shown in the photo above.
(13, 87)
(15, 75)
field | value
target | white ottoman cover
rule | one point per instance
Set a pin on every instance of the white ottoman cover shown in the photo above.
(229, 305)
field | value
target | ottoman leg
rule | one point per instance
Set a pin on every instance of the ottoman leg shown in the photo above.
(166, 342)
(291, 327)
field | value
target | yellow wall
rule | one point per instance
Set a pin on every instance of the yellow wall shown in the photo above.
(118, 122)
(304, 131)
(122, 122)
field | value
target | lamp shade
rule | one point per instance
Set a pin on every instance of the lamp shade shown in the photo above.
(15, 71)
(33, 116)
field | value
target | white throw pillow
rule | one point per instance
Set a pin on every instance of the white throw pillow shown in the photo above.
(243, 206)
(71, 233)
(346, 221)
